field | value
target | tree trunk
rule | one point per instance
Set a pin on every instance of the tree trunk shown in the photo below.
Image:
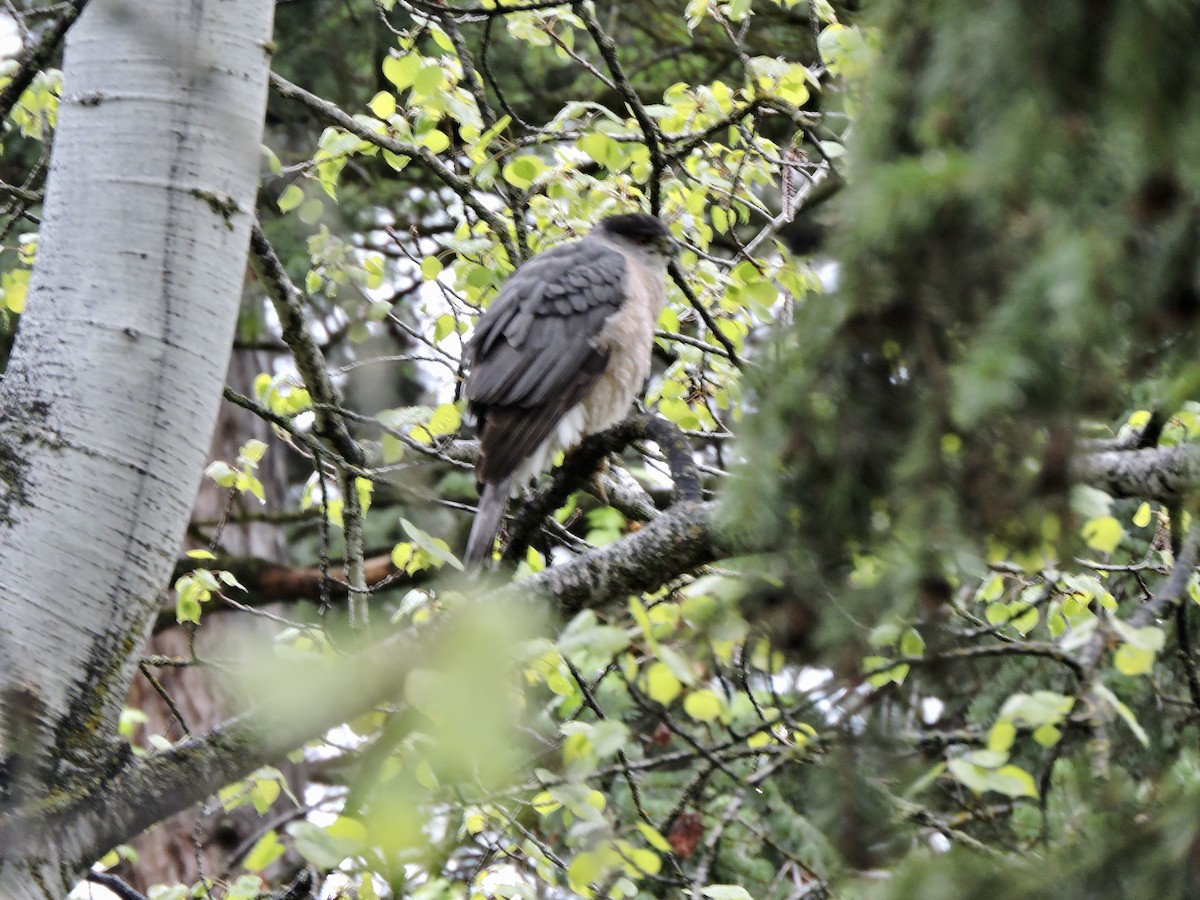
(180, 850)
(111, 393)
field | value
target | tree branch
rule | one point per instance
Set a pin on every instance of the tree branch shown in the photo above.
(585, 459)
(677, 542)
(141, 791)
(608, 50)
(267, 582)
(289, 306)
(116, 885)
(35, 58)
(1164, 474)
(461, 186)
(681, 282)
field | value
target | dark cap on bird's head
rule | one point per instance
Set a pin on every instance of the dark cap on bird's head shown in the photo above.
(641, 228)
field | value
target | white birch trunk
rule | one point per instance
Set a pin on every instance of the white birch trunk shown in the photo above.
(111, 394)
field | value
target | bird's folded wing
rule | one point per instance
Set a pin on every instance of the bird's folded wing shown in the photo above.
(533, 356)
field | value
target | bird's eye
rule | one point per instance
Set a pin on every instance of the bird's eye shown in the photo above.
(642, 239)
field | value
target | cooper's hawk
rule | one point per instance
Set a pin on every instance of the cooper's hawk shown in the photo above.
(560, 354)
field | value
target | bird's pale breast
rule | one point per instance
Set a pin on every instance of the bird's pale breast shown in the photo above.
(628, 335)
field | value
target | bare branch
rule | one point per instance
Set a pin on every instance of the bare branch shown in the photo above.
(1164, 474)
(335, 115)
(36, 57)
(677, 542)
(289, 306)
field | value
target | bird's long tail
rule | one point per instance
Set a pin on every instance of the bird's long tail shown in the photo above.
(492, 501)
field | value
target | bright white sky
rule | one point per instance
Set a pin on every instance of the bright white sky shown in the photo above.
(10, 40)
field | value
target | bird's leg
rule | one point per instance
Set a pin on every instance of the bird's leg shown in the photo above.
(596, 478)
(598, 481)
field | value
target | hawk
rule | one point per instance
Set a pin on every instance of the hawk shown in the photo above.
(560, 354)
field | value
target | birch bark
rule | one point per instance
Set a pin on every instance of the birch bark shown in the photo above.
(112, 390)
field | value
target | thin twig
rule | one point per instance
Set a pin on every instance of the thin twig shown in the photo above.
(36, 57)
(463, 187)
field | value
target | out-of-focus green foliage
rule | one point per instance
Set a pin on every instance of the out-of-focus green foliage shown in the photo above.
(1019, 274)
(1019, 260)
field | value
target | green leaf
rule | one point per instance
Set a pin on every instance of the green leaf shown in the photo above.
(327, 847)
(653, 838)
(1014, 781)
(431, 268)
(391, 448)
(1148, 637)
(436, 140)
(544, 803)
(14, 289)
(1103, 533)
(396, 160)
(252, 450)
(478, 150)
(248, 484)
(911, 643)
(737, 10)
(222, 473)
(987, 759)
(1038, 708)
(601, 148)
(128, 721)
(435, 547)
(1103, 693)
(401, 70)
(885, 634)
(1047, 735)
(292, 196)
(661, 684)
(383, 105)
(187, 609)
(1131, 660)
(844, 50)
(229, 579)
(638, 611)
(1138, 419)
(522, 171)
(1010, 780)
(264, 792)
(1025, 621)
(703, 705)
(996, 613)
(445, 420)
(608, 737)
(726, 892)
(643, 862)
(585, 802)
(428, 80)
(584, 870)
(680, 665)
(1001, 736)
(882, 672)
(274, 166)
(402, 554)
(584, 634)
(474, 820)
(206, 579)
